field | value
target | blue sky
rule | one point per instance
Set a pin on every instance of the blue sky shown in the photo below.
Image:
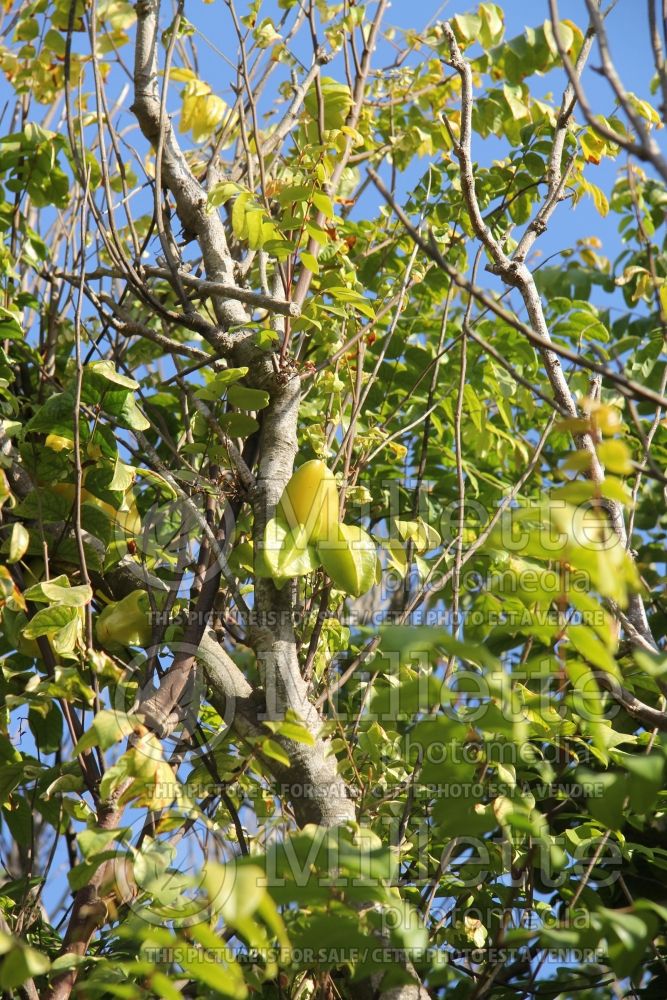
(627, 26)
(629, 38)
(216, 43)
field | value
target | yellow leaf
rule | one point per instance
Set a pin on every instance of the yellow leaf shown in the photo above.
(399, 450)
(18, 543)
(593, 147)
(182, 75)
(662, 291)
(202, 111)
(599, 197)
(615, 456)
(56, 442)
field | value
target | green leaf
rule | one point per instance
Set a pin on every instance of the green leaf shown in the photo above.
(217, 386)
(423, 535)
(163, 987)
(224, 979)
(129, 415)
(107, 728)
(58, 591)
(123, 477)
(10, 778)
(106, 372)
(605, 795)
(68, 597)
(238, 424)
(254, 227)
(230, 375)
(20, 964)
(49, 621)
(492, 26)
(239, 216)
(81, 874)
(405, 640)
(221, 193)
(46, 723)
(235, 891)
(292, 728)
(36, 593)
(10, 325)
(93, 840)
(54, 416)
(587, 644)
(646, 779)
(247, 399)
(310, 261)
(355, 298)
(463, 817)
(632, 934)
(270, 748)
(324, 203)
(466, 27)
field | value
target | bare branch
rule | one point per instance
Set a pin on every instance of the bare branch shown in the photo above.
(646, 149)
(516, 274)
(226, 291)
(628, 386)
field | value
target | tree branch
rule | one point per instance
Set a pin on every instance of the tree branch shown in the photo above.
(646, 149)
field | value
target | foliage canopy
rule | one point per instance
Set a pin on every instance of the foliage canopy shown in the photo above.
(332, 504)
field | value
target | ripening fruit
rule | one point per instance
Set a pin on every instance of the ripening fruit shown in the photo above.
(351, 560)
(336, 99)
(128, 520)
(13, 623)
(56, 442)
(126, 622)
(310, 500)
(284, 553)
